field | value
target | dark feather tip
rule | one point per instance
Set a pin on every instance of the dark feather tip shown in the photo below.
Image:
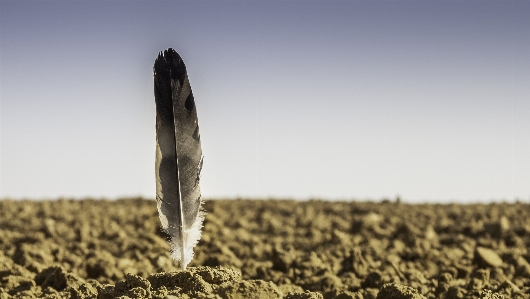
(170, 61)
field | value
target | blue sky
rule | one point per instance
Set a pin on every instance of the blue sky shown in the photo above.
(428, 100)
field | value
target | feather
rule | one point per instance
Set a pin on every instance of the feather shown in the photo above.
(178, 156)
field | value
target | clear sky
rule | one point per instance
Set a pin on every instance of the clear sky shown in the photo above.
(428, 100)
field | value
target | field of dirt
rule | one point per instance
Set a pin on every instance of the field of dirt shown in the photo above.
(266, 249)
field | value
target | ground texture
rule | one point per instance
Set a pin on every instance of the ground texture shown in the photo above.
(266, 249)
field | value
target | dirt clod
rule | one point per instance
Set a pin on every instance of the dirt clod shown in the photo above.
(304, 295)
(250, 289)
(398, 291)
(487, 257)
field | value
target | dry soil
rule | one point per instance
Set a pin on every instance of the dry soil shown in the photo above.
(266, 249)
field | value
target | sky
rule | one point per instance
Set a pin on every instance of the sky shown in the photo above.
(338, 100)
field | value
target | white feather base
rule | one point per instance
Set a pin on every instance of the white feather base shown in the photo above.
(191, 237)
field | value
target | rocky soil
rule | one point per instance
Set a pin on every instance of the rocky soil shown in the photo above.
(266, 249)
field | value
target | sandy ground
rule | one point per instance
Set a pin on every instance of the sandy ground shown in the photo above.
(266, 249)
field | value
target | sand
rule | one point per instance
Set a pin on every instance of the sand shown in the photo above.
(266, 249)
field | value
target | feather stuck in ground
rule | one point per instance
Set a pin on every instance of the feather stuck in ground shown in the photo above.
(178, 156)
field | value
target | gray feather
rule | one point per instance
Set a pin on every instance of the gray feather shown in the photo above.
(178, 156)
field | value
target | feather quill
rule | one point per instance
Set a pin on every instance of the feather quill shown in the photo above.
(178, 156)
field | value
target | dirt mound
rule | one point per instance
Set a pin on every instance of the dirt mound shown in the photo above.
(266, 249)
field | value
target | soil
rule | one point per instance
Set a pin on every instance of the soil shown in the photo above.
(266, 249)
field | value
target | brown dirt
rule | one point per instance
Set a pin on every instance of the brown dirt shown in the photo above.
(266, 249)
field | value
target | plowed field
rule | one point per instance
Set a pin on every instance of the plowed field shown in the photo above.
(266, 249)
